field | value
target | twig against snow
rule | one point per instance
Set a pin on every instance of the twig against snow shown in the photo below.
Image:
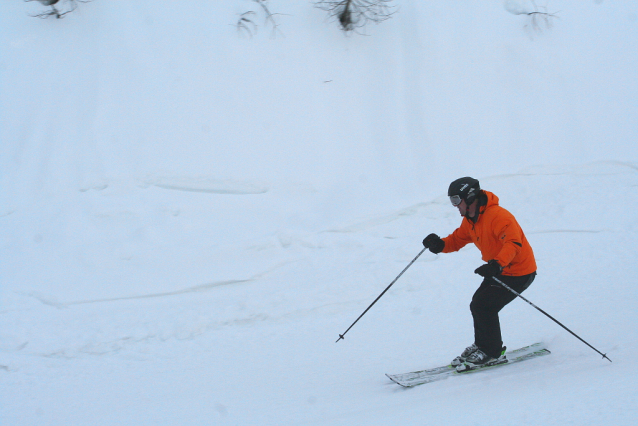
(246, 22)
(539, 17)
(63, 8)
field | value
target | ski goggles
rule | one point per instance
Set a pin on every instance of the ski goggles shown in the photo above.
(455, 200)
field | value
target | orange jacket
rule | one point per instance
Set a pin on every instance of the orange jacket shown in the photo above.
(498, 236)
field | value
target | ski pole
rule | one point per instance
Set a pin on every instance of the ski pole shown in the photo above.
(549, 316)
(387, 288)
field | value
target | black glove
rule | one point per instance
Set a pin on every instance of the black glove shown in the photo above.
(434, 243)
(490, 269)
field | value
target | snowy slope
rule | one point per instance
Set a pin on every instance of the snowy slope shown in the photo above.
(189, 215)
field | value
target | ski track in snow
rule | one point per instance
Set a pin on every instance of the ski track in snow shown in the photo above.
(207, 185)
(196, 289)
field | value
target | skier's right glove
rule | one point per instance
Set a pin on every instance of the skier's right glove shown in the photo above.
(434, 243)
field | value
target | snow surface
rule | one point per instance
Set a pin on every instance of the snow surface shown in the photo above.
(190, 215)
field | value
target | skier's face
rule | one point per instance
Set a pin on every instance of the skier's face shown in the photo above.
(464, 209)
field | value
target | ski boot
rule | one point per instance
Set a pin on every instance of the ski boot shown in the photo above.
(479, 359)
(459, 360)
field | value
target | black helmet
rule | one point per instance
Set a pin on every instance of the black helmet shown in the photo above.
(465, 188)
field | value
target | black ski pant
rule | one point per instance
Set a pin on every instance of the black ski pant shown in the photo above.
(488, 300)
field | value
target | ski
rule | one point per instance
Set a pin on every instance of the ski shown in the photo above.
(416, 378)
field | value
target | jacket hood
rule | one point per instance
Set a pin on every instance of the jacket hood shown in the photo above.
(492, 200)
(486, 200)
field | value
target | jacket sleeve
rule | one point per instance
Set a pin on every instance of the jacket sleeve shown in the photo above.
(457, 239)
(507, 230)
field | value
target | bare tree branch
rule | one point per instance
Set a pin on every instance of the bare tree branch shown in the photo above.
(68, 6)
(246, 22)
(539, 17)
(353, 14)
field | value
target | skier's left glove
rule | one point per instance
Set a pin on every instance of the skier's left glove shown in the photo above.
(490, 269)
(434, 243)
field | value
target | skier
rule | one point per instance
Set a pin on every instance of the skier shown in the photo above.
(509, 257)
